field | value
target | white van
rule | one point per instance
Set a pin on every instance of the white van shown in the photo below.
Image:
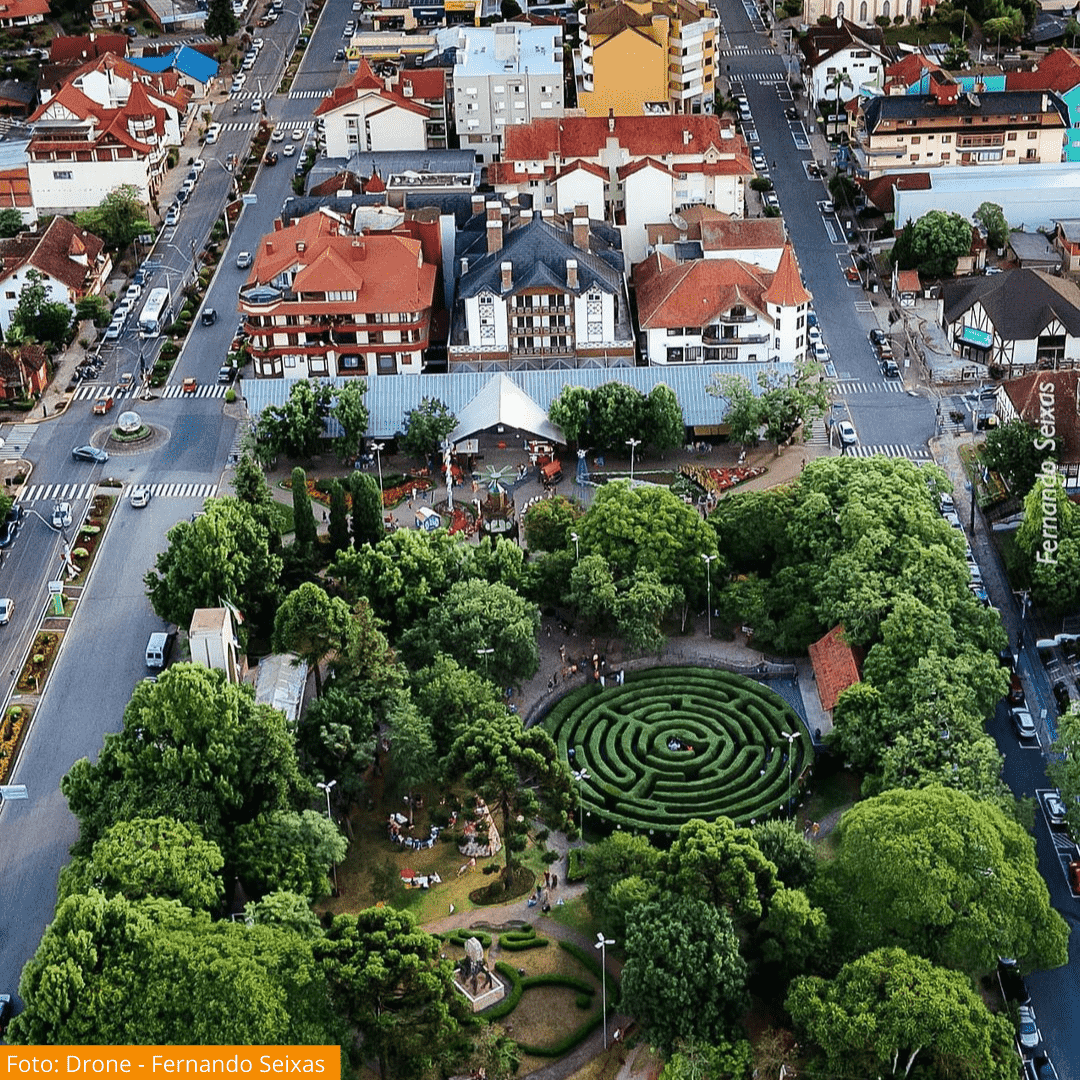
(157, 649)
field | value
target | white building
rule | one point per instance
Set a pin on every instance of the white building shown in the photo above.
(840, 60)
(505, 75)
(721, 311)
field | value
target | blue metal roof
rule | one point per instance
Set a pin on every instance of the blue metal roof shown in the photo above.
(390, 397)
(187, 61)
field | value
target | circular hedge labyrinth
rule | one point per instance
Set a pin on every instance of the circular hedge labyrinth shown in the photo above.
(677, 743)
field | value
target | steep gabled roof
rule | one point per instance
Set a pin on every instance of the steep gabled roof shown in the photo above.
(83, 46)
(836, 666)
(1020, 303)
(1058, 70)
(366, 83)
(63, 251)
(820, 43)
(1025, 393)
(786, 288)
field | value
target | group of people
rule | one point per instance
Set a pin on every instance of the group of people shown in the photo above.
(542, 896)
(397, 828)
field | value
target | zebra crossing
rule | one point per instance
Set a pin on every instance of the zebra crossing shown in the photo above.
(746, 50)
(858, 386)
(51, 493)
(300, 95)
(891, 450)
(93, 392)
(211, 390)
(766, 77)
(57, 492)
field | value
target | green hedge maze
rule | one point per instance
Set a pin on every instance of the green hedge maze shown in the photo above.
(677, 743)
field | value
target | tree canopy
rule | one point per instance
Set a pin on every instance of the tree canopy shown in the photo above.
(1049, 538)
(312, 625)
(426, 427)
(1016, 451)
(118, 218)
(783, 404)
(946, 877)
(295, 429)
(933, 244)
(606, 416)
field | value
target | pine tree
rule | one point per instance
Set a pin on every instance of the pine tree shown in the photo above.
(339, 520)
(304, 527)
(367, 518)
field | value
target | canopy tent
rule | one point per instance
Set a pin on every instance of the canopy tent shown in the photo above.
(501, 402)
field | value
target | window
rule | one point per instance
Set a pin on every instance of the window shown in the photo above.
(916, 139)
(10, 295)
(946, 138)
(1011, 136)
(729, 354)
(62, 174)
(1033, 134)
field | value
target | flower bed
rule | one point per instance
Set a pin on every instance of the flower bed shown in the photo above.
(718, 480)
(42, 653)
(395, 496)
(90, 532)
(12, 729)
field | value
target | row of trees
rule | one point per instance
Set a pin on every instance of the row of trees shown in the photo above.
(607, 416)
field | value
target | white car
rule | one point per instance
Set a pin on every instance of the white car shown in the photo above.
(238, 83)
(813, 335)
(140, 496)
(847, 434)
(288, 149)
(248, 64)
(821, 352)
(7, 609)
(279, 135)
(133, 293)
(172, 217)
(113, 331)
(198, 165)
(298, 134)
(256, 104)
(61, 515)
(257, 43)
(770, 200)
(243, 260)
(212, 133)
(122, 311)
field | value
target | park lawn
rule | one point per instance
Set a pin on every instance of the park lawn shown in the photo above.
(548, 1013)
(283, 516)
(576, 915)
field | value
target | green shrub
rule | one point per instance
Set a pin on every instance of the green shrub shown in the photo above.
(583, 1001)
(521, 939)
(512, 999)
(576, 865)
(567, 1042)
(459, 937)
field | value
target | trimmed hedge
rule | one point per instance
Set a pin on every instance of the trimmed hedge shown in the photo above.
(592, 965)
(512, 999)
(519, 940)
(459, 937)
(567, 1042)
(576, 865)
(731, 757)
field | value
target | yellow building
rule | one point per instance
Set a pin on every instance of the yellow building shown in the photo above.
(647, 56)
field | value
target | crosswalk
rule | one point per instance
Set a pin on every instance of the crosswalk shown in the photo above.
(51, 493)
(892, 450)
(860, 386)
(300, 95)
(746, 50)
(93, 391)
(766, 77)
(16, 440)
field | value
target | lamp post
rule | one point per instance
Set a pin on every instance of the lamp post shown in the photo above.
(327, 788)
(485, 653)
(581, 775)
(379, 448)
(791, 736)
(633, 444)
(602, 943)
(577, 549)
(707, 559)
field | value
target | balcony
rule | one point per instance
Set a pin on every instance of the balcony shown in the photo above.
(710, 337)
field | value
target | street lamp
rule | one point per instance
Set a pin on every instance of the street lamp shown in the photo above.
(602, 943)
(485, 653)
(707, 559)
(632, 443)
(581, 775)
(577, 549)
(327, 788)
(791, 736)
(379, 448)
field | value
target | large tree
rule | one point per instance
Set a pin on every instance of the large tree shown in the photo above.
(387, 980)
(1016, 451)
(350, 411)
(1064, 766)
(414, 760)
(622, 872)
(312, 625)
(147, 857)
(295, 429)
(451, 697)
(1049, 537)
(489, 627)
(779, 406)
(36, 317)
(221, 23)
(194, 747)
(990, 215)
(663, 426)
(288, 850)
(888, 1011)
(118, 218)
(944, 876)
(305, 528)
(367, 510)
(549, 523)
(933, 244)
(339, 518)
(683, 978)
(518, 773)
(249, 483)
(223, 555)
(571, 411)
(427, 427)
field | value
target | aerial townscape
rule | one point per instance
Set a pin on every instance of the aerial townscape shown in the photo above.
(570, 513)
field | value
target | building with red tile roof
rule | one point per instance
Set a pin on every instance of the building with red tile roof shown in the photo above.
(842, 48)
(23, 371)
(15, 192)
(717, 311)
(76, 49)
(369, 113)
(836, 666)
(644, 168)
(22, 12)
(107, 124)
(322, 300)
(1023, 398)
(72, 262)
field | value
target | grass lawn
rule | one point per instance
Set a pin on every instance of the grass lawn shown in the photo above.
(283, 513)
(576, 915)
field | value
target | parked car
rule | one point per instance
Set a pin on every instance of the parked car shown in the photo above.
(770, 200)
(877, 337)
(122, 310)
(1027, 1029)
(1024, 724)
(1040, 1067)
(7, 609)
(102, 406)
(133, 293)
(7, 1010)
(140, 496)
(1061, 696)
(197, 166)
(791, 113)
(1054, 805)
(11, 525)
(243, 260)
(89, 453)
(208, 317)
(339, 56)
(889, 369)
(61, 515)
(172, 216)
(226, 373)
(826, 206)
(212, 133)
(113, 330)
(846, 431)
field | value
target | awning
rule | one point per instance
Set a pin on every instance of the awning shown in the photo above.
(979, 338)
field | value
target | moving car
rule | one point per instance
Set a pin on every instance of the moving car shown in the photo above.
(271, 159)
(288, 149)
(61, 515)
(7, 1009)
(208, 317)
(1024, 724)
(1027, 1030)
(238, 83)
(11, 525)
(847, 434)
(7, 609)
(256, 104)
(212, 133)
(89, 453)
(298, 134)
(102, 406)
(279, 135)
(243, 260)
(140, 496)
(122, 311)
(1054, 806)
(189, 385)
(133, 293)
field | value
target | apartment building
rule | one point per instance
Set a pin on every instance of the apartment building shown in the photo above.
(721, 311)
(546, 292)
(842, 60)
(647, 56)
(322, 300)
(505, 75)
(950, 127)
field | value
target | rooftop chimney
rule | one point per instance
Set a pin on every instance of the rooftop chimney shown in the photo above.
(506, 271)
(686, 137)
(269, 247)
(478, 204)
(571, 274)
(300, 245)
(494, 234)
(611, 119)
(464, 267)
(581, 227)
